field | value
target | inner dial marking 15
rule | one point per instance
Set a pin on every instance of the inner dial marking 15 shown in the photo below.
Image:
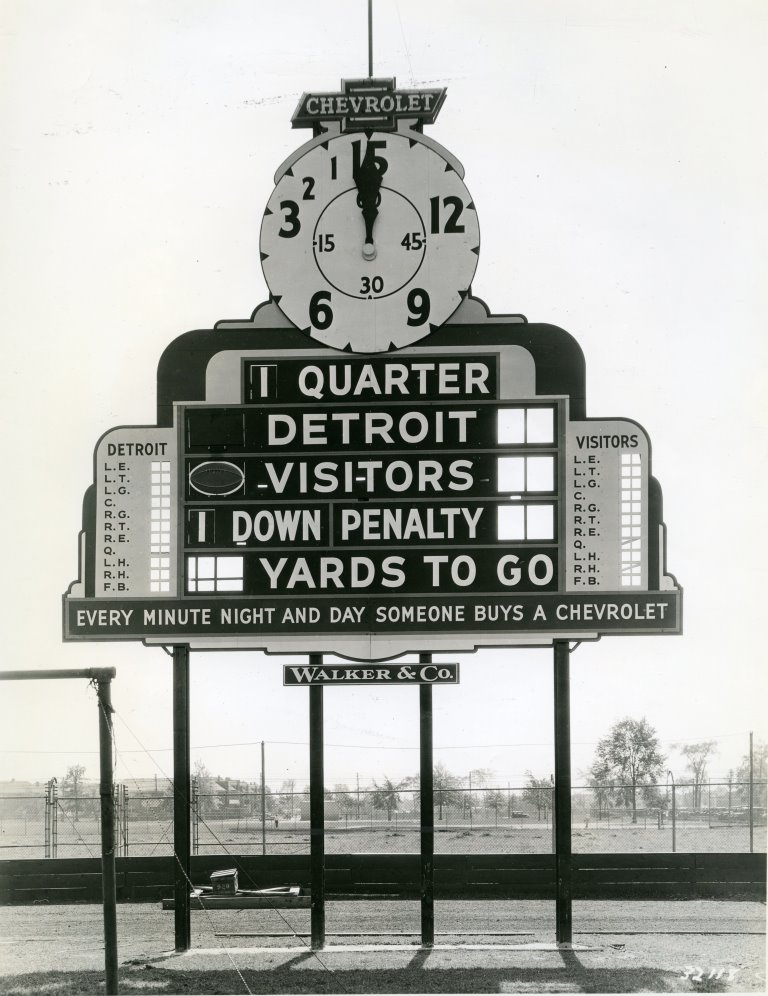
(369, 242)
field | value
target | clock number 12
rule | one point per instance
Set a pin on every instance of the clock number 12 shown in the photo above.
(451, 224)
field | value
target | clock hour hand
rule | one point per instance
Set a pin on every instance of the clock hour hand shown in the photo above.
(368, 182)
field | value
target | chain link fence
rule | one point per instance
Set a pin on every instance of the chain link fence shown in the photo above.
(714, 817)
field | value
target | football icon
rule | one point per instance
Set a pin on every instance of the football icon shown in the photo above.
(216, 478)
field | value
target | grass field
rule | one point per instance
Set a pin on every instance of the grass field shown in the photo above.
(20, 839)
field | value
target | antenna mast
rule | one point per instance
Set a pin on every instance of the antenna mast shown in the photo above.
(370, 39)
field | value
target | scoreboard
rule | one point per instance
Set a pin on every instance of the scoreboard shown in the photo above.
(444, 497)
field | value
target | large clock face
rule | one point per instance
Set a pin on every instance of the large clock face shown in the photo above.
(369, 242)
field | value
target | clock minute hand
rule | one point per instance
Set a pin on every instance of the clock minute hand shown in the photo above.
(368, 182)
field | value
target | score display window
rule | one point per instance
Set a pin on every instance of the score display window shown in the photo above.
(488, 488)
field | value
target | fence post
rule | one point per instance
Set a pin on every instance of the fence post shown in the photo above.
(751, 797)
(674, 842)
(263, 804)
(48, 820)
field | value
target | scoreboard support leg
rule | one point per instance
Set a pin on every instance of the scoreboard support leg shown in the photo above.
(182, 867)
(316, 810)
(427, 814)
(562, 809)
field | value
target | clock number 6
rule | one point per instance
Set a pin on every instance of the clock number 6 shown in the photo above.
(320, 314)
(418, 305)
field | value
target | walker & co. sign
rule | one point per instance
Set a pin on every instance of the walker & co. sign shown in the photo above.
(380, 674)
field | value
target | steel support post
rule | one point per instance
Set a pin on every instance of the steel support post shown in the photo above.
(181, 797)
(427, 807)
(562, 811)
(316, 810)
(106, 792)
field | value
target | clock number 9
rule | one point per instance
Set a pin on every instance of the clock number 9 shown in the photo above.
(292, 222)
(418, 305)
(320, 314)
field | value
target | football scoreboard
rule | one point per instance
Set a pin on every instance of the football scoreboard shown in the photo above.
(446, 496)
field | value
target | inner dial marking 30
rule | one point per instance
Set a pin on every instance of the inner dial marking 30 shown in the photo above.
(369, 242)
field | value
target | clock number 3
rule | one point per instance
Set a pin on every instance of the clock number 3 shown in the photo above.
(291, 224)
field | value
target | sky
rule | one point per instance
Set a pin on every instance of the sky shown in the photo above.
(616, 155)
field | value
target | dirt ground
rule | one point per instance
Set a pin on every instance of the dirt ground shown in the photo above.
(487, 947)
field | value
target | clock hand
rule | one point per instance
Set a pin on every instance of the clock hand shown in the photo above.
(368, 182)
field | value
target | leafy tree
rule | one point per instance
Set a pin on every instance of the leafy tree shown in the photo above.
(345, 801)
(538, 792)
(494, 799)
(477, 778)
(71, 787)
(601, 782)
(759, 772)
(446, 788)
(698, 754)
(630, 754)
(386, 796)
(285, 801)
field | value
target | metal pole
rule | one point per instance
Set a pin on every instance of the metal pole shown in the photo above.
(370, 38)
(674, 841)
(751, 797)
(106, 789)
(263, 804)
(181, 798)
(55, 821)
(47, 847)
(316, 809)
(562, 810)
(427, 812)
